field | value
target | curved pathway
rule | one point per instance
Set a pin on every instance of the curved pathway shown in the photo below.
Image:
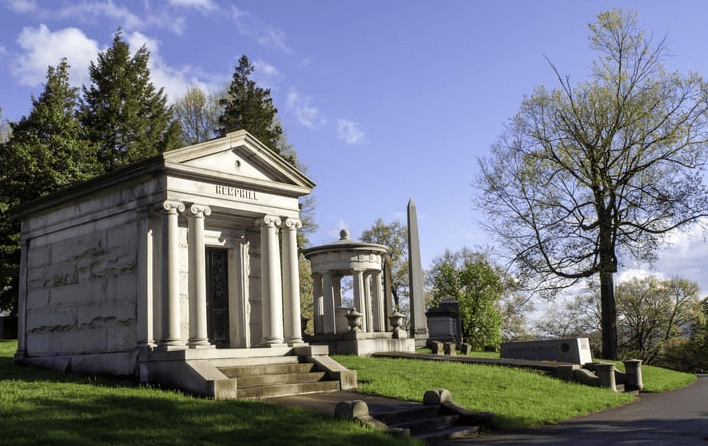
(678, 417)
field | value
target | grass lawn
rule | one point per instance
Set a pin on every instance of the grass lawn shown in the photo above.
(520, 398)
(53, 409)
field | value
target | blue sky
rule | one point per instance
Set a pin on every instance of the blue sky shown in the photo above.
(383, 100)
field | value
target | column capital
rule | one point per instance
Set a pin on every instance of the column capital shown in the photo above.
(199, 211)
(172, 207)
(268, 220)
(293, 223)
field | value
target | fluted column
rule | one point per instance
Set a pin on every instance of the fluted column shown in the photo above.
(367, 302)
(291, 282)
(171, 337)
(329, 323)
(271, 285)
(198, 337)
(378, 302)
(317, 304)
(360, 298)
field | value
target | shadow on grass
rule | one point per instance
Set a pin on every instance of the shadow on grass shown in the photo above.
(50, 408)
(139, 420)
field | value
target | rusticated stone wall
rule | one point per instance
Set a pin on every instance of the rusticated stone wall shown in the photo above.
(81, 293)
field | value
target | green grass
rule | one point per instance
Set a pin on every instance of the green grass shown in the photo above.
(49, 408)
(53, 409)
(520, 398)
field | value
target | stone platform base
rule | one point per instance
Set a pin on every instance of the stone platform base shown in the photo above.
(364, 344)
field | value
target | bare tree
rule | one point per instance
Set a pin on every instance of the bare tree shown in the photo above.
(591, 173)
(198, 112)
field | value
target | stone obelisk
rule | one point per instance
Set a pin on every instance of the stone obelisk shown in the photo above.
(418, 325)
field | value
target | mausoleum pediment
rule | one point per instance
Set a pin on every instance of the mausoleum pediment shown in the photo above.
(238, 154)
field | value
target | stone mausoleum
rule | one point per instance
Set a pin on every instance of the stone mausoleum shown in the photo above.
(180, 269)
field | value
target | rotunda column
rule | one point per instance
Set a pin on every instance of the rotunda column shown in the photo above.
(360, 298)
(378, 301)
(317, 304)
(329, 324)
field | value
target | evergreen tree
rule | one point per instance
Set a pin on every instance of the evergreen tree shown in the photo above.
(46, 152)
(125, 116)
(248, 107)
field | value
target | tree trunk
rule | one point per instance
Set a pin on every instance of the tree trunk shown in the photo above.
(609, 314)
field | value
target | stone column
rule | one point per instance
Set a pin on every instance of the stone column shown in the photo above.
(171, 336)
(633, 370)
(378, 302)
(145, 271)
(360, 298)
(271, 284)
(329, 324)
(291, 282)
(317, 304)
(197, 278)
(368, 302)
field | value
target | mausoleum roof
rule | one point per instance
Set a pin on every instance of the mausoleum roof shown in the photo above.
(345, 243)
(237, 160)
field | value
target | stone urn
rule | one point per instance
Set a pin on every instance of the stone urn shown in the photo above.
(354, 320)
(396, 320)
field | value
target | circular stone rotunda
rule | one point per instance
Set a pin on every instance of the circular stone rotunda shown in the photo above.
(371, 325)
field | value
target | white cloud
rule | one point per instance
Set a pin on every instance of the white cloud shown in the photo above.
(43, 48)
(201, 5)
(265, 68)
(91, 12)
(265, 34)
(22, 6)
(175, 81)
(349, 131)
(685, 254)
(305, 113)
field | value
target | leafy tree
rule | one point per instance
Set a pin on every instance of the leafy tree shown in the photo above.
(512, 305)
(125, 116)
(395, 237)
(652, 312)
(249, 107)
(589, 173)
(477, 287)
(198, 113)
(47, 152)
(656, 319)
(689, 354)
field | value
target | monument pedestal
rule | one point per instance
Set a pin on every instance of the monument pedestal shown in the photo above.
(364, 344)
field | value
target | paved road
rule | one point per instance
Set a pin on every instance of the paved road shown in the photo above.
(679, 418)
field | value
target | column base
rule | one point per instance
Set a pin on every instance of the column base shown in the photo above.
(171, 345)
(201, 345)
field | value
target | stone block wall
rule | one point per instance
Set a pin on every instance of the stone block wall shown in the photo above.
(81, 292)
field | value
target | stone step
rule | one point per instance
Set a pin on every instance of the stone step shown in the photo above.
(451, 433)
(287, 389)
(402, 416)
(428, 425)
(241, 371)
(258, 360)
(285, 378)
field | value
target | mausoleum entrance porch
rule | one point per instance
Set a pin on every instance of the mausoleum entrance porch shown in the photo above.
(259, 301)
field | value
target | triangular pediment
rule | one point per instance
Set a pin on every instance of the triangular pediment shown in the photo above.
(238, 155)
